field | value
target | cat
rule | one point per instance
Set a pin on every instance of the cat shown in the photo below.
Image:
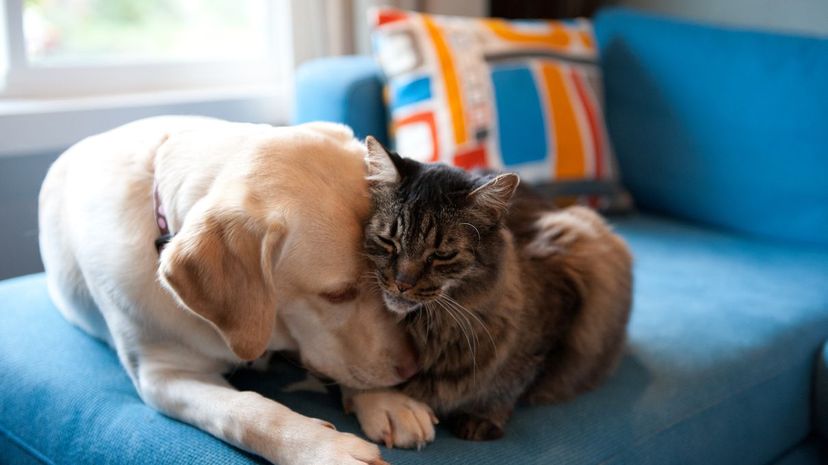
(506, 298)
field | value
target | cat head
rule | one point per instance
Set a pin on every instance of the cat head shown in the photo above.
(435, 229)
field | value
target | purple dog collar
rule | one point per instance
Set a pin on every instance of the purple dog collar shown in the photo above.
(160, 221)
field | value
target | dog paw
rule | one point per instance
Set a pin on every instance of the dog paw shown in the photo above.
(475, 428)
(319, 443)
(394, 419)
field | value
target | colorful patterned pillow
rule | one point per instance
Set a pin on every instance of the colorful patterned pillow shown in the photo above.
(522, 96)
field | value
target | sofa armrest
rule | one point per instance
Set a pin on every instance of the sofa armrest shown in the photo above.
(344, 90)
(821, 393)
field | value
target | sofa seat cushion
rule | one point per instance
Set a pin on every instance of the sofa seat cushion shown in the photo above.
(65, 398)
(718, 370)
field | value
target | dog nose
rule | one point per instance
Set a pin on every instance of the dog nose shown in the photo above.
(409, 363)
(408, 369)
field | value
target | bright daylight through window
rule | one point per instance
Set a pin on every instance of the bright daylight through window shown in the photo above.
(64, 48)
(84, 32)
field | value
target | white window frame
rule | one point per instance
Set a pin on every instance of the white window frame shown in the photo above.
(23, 80)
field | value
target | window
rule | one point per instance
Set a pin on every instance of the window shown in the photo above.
(58, 48)
(101, 31)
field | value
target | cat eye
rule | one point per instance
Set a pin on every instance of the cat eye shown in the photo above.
(341, 296)
(388, 243)
(442, 256)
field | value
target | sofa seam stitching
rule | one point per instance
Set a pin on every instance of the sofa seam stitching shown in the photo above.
(29, 449)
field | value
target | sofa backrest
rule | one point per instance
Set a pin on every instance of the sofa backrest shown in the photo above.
(722, 126)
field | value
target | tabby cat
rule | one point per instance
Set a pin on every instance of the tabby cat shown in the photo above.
(505, 297)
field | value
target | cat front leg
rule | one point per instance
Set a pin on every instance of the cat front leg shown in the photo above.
(392, 418)
(480, 425)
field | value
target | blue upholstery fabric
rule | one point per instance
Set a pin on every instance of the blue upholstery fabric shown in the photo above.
(808, 452)
(65, 398)
(718, 370)
(721, 126)
(821, 393)
(344, 90)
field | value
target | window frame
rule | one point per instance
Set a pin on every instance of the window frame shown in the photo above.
(20, 79)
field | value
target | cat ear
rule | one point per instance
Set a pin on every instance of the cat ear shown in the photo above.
(494, 196)
(380, 163)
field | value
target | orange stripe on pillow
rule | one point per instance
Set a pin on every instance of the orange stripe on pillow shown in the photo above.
(589, 106)
(557, 37)
(569, 148)
(586, 39)
(450, 81)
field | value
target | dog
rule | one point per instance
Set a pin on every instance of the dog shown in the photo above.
(263, 254)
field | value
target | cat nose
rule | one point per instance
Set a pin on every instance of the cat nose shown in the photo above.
(403, 286)
(404, 282)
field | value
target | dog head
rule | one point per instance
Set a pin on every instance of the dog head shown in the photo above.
(273, 253)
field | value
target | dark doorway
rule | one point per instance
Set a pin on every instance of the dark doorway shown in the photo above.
(548, 9)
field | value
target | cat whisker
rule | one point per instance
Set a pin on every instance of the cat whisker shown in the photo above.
(418, 317)
(463, 330)
(428, 309)
(428, 296)
(471, 337)
(477, 318)
(468, 331)
(367, 276)
(475, 230)
(475, 337)
(461, 312)
(373, 280)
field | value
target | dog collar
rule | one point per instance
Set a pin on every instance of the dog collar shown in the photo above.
(160, 220)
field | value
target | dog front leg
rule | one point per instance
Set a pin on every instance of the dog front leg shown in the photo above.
(249, 420)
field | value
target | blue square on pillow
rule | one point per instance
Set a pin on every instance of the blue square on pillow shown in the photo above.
(520, 122)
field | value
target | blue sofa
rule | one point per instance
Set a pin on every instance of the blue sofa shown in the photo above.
(722, 138)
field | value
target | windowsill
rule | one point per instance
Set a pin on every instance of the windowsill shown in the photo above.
(25, 105)
(36, 126)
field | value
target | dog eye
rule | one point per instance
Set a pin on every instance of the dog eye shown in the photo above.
(342, 296)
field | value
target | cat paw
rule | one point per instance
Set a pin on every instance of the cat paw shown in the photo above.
(547, 397)
(475, 428)
(560, 229)
(394, 419)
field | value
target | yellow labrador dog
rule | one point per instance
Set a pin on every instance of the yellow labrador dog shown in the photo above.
(266, 226)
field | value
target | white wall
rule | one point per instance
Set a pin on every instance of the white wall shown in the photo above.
(458, 7)
(805, 16)
(440, 7)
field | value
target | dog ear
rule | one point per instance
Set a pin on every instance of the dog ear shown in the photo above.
(220, 266)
